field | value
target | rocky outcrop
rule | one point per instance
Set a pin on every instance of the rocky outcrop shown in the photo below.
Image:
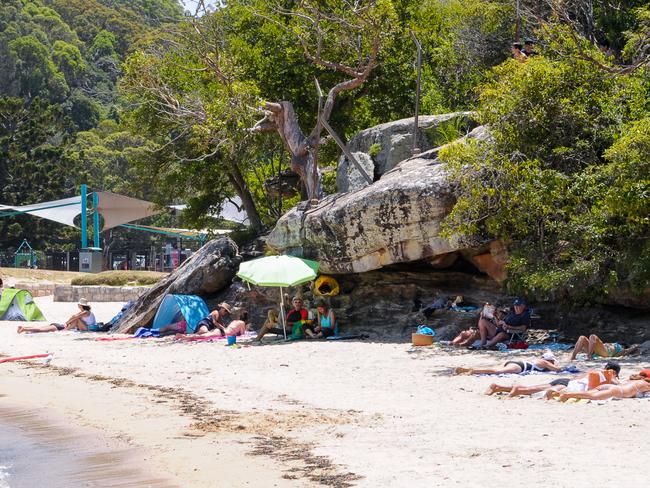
(208, 271)
(380, 148)
(395, 220)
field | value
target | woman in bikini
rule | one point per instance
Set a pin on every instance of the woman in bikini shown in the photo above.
(546, 363)
(556, 386)
(594, 346)
(635, 388)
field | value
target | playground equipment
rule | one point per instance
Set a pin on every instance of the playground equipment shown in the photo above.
(25, 256)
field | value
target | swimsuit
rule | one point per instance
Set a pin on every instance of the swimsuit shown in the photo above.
(89, 319)
(525, 366)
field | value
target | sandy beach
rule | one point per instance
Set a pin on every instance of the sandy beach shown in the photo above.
(364, 413)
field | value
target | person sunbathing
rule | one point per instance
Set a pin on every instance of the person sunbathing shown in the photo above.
(466, 338)
(556, 385)
(594, 346)
(83, 320)
(546, 363)
(635, 388)
(214, 320)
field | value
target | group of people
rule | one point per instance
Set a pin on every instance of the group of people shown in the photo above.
(495, 326)
(298, 319)
(521, 52)
(298, 322)
(595, 384)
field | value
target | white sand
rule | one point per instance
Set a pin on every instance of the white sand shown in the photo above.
(389, 413)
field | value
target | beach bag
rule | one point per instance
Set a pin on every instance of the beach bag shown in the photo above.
(425, 330)
(296, 331)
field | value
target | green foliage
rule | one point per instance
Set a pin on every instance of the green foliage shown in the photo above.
(565, 179)
(374, 149)
(119, 278)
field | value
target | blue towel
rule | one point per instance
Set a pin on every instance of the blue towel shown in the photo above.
(144, 332)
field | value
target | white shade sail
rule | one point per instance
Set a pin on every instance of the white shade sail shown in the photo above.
(63, 211)
(116, 209)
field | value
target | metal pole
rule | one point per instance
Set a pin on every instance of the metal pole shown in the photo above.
(416, 149)
(284, 319)
(318, 131)
(95, 220)
(84, 216)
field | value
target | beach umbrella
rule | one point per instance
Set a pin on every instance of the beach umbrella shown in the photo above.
(280, 271)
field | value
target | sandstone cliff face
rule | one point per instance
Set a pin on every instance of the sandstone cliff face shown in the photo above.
(395, 220)
(379, 149)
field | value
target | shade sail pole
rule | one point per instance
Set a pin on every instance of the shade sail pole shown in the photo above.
(284, 319)
(84, 215)
(95, 220)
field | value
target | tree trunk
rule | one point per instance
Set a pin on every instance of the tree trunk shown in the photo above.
(237, 181)
(282, 119)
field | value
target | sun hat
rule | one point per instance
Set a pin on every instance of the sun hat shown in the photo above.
(83, 301)
(226, 307)
(548, 356)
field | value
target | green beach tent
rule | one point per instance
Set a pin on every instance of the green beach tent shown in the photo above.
(18, 305)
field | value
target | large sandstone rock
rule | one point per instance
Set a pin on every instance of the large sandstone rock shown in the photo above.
(380, 148)
(207, 272)
(395, 220)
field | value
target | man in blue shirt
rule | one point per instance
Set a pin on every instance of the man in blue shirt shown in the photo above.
(493, 330)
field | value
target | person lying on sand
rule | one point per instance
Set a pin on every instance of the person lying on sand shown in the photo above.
(214, 320)
(635, 388)
(235, 328)
(466, 338)
(546, 363)
(178, 326)
(555, 385)
(594, 346)
(83, 320)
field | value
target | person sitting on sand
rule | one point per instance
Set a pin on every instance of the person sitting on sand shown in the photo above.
(296, 314)
(325, 322)
(594, 346)
(214, 320)
(635, 388)
(270, 325)
(83, 320)
(546, 363)
(557, 385)
(492, 329)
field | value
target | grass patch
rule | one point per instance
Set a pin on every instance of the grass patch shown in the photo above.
(120, 278)
(26, 275)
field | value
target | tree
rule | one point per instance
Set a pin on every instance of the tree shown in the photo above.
(345, 37)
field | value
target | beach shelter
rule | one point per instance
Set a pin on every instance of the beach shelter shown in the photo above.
(281, 271)
(173, 307)
(19, 305)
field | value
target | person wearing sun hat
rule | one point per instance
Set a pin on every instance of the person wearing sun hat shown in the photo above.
(214, 320)
(82, 320)
(517, 320)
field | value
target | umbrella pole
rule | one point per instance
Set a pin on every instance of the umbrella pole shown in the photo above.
(284, 319)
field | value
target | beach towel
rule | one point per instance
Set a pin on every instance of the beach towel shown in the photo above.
(144, 332)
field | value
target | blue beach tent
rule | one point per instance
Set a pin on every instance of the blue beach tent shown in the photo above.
(191, 307)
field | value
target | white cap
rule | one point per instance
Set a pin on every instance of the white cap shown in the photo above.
(548, 356)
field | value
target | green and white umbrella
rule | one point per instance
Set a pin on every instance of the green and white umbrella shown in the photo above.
(281, 271)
